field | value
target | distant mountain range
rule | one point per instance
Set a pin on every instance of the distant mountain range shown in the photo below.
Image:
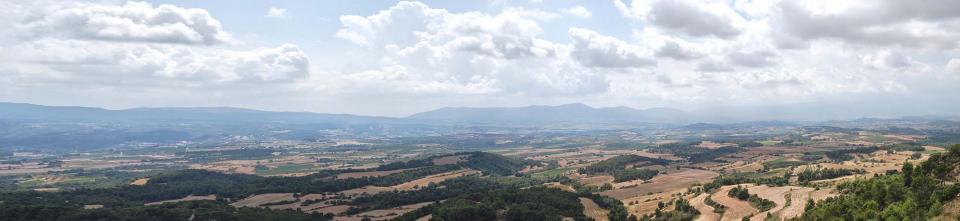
(32, 126)
(21, 111)
(568, 113)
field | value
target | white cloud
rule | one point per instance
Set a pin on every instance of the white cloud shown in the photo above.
(697, 19)
(688, 54)
(165, 65)
(673, 50)
(427, 50)
(759, 58)
(138, 42)
(953, 66)
(931, 24)
(578, 11)
(274, 12)
(131, 22)
(713, 66)
(887, 60)
(594, 50)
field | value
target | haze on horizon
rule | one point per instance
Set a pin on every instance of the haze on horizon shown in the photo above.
(396, 58)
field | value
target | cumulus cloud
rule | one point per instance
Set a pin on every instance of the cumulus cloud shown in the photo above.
(698, 19)
(111, 63)
(890, 22)
(274, 12)
(510, 34)
(139, 44)
(594, 50)
(757, 58)
(713, 66)
(673, 50)
(432, 50)
(131, 22)
(886, 60)
(953, 66)
(578, 11)
(687, 54)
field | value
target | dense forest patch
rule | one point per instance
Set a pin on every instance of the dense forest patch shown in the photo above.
(915, 193)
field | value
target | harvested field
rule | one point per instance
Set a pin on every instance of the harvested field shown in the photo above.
(774, 150)
(748, 167)
(369, 174)
(736, 209)
(798, 203)
(596, 180)
(425, 218)
(436, 178)
(97, 164)
(646, 204)
(560, 186)
(422, 182)
(260, 199)
(332, 209)
(569, 154)
(706, 212)
(775, 194)
(449, 160)
(313, 196)
(642, 153)
(714, 145)
(140, 182)
(822, 194)
(369, 190)
(530, 151)
(592, 210)
(385, 214)
(933, 148)
(661, 183)
(951, 211)
(187, 198)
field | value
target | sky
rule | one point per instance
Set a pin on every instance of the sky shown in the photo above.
(870, 58)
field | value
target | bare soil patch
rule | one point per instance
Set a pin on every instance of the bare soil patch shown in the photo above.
(140, 182)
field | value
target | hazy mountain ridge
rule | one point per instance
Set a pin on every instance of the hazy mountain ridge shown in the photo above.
(21, 111)
(51, 127)
(568, 113)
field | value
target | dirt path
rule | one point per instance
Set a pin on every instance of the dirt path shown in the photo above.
(736, 209)
(592, 210)
(706, 212)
